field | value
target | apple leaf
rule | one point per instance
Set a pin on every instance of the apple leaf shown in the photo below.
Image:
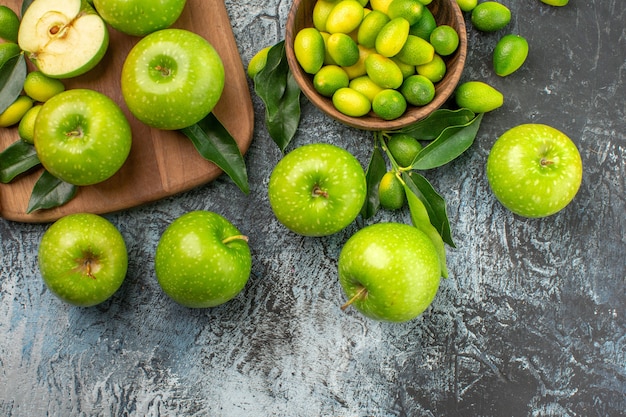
(16, 159)
(452, 142)
(49, 192)
(276, 86)
(433, 202)
(216, 144)
(431, 127)
(375, 171)
(12, 76)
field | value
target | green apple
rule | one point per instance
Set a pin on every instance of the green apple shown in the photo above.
(82, 259)
(172, 79)
(139, 17)
(389, 271)
(82, 136)
(534, 170)
(317, 189)
(202, 260)
(63, 38)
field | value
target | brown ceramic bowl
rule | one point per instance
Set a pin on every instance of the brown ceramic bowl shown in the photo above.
(445, 12)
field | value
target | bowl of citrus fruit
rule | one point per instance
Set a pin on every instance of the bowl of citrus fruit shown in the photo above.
(376, 64)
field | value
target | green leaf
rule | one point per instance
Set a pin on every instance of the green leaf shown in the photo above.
(50, 192)
(216, 144)
(375, 171)
(431, 127)
(25, 5)
(276, 86)
(450, 144)
(12, 76)
(421, 220)
(18, 158)
(434, 203)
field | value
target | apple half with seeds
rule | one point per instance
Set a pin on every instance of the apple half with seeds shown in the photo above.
(63, 39)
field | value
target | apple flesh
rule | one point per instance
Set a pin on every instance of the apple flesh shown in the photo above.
(534, 170)
(63, 38)
(139, 17)
(83, 259)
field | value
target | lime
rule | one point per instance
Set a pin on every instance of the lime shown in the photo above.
(258, 61)
(407, 69)
(351, 103)
(370, 27)
(425, 2)
(26, 128)
(358, 69)
(309, 48)
(404, 149)
(555, 2)
(40, 87)
(389, 104)
(9, 24)
(418, 90)
(490, 16)
(7, 51)
(411, 10)
(509, 54)
(392, 37)
(478, 96)
(424, 26)
(342, 49)
(444, 39)
(365, 86)
(467, 5)
(328, 60)
(380, 5)
(321, 10)
(391, 192)
(14, 113)
(434, 70)
(329, 79)
(416, 51)
(383, 71)
(345, 17)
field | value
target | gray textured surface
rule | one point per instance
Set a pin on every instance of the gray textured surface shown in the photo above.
(530, 323)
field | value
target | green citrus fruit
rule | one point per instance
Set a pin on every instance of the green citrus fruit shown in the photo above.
(416, 51)
(342, 49)
(258, 61)
(509, 54)
(404, 148)
(26, 128)
(14, 113)
(365, 86)
(467, 5)
(478, 96)
(391, 192)
(556, 2)
(444, 39)
(383, 71)
(351, 103)
(490, 16)
(309, 48)
(418, 90)
(389, 104)
(380, 5)
(392, 37)
(411, 10)
(407, 69)
(370, 27)
(9, 24)
(7, 51)
(424, 27)
(358, 69)
(345, 17)
(321, 10)
(434, 70)
(40, 87)
(329, 79)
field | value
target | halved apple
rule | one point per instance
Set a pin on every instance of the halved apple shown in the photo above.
(63, 38)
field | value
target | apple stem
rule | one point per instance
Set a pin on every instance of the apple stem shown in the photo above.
(78, 132)
(318, 192)
(164, 71)
(235, 237)
(362, 293)
(546, 162)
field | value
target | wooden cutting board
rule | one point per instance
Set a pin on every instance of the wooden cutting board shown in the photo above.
(161, 163)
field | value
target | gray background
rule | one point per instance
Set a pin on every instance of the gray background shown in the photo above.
(530, 323)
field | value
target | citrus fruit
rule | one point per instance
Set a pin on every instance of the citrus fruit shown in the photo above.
(358, 69)
(555, 2)
(416, 51)
(411, 10)
(490, 16)
(407, 69)
(258, 61)
(389, 104)
(424, 26)
(7, 51)
(26, 128)
(467, 5)
(434, 70)
(14, 113)
(444, 39)
(478, 96)
(425, 2)
(418, 90)
(509, 54)
(309, 48)
(342, 49)
(351, 103)
(391, 192)
(40, 87)
(404, 148)
(329, 79)
(392, 37)
(345, 17)
(365, 86)
(370, 27)
(380, 5)
(9, 24)
(383, 71)
(321, 10)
